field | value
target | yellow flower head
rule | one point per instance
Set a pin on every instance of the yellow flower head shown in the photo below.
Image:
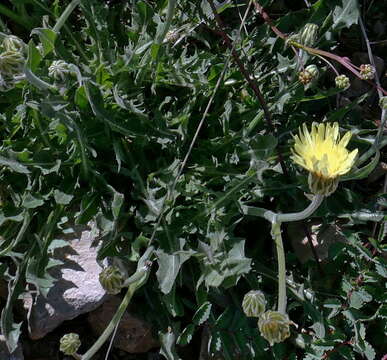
(324, 155)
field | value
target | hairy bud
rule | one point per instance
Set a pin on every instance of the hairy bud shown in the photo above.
(58, 70)
(254, 303)
(313, 70)
(274, 326)
(308, 34)
(13, 43)
(111, 280)
(69, 344)
(11, 63)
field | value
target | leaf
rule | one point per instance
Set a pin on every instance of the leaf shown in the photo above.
(345, 15)
(62, 198)
(169, 266)
(186, 335)
(14, 165)
(202, 314)
(31, 202)
(47, 38)
(363, 172)
(9, 329)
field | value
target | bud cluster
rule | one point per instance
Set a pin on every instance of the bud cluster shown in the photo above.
(367, 71)
(342, 81)
(308, 35)
(310, 73)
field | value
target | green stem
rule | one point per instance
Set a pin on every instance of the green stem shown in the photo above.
(277, 237)
(289, 217)
(115, 320)
(63, 18)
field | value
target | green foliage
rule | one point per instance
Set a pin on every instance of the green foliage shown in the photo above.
(106, 141)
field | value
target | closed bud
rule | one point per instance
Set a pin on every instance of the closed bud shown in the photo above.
(308, 34)
(58, 69)
(367, 71)
(383, 102)
(111, 280)
(13, 43)
(342, 81)
(313, 70)
(254, 303)
(274, 326)
(69, 344)
(11, 63)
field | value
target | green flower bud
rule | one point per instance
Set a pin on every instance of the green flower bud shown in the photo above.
(313, 70)
(305, 77)
(367, 71)
(111, 280)
(274, 326)
(13, 43)
(254, 303)
(342, 81)
(308, 34)
(11, 63)
(320, 185)
(58, 70)
(69, 344)
(383, 102)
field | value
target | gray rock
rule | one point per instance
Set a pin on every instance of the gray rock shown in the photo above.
(76, 291)
(133, 334)
(4, 353)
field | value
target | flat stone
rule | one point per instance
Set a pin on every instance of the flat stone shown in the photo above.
(76, 291)
(4, 353)
(133, 334)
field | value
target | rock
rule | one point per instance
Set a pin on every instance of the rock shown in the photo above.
(4, 353)
(133, 334)
(322, 238)
(76, 291)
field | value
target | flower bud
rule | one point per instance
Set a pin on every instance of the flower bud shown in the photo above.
(383, 102)
(69, 344)
(111, 280)
(367, 71)
(58, 70)
(305, 77)
(11, 63)
(254, 303)
(342, 81)
(313, 70)
(308, 34)
(274, 326)
(13, 43)
(320, 185)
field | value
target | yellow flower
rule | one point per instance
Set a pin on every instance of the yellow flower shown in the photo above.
(324, 155)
